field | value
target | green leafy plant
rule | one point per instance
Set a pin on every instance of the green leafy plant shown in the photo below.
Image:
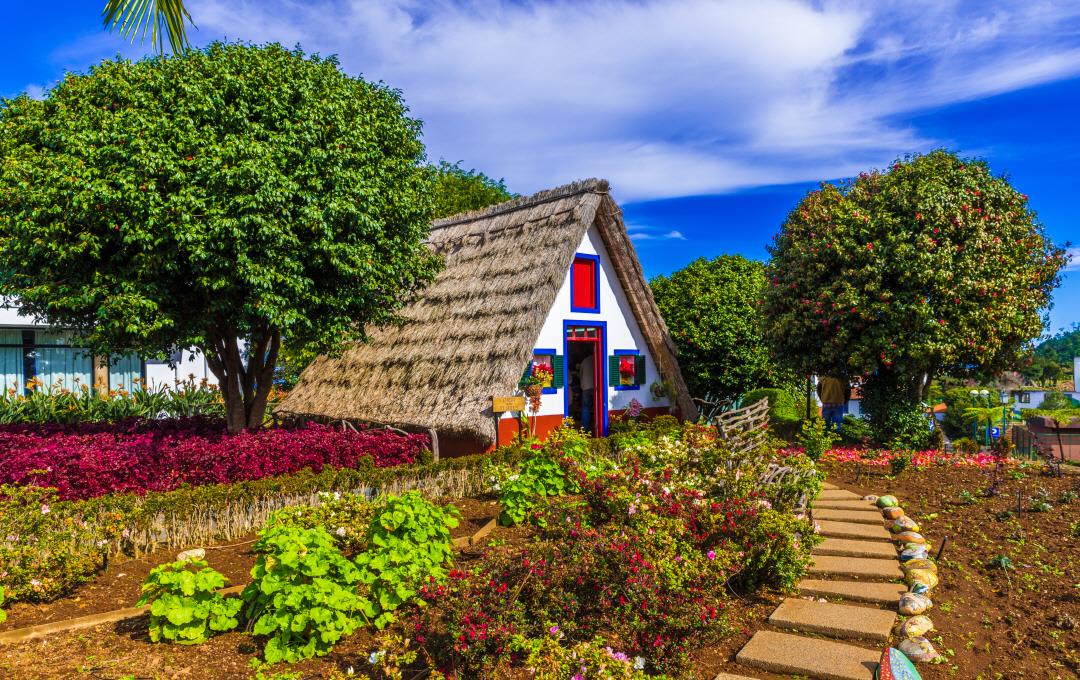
(966, 497)
(3, 614)
(1040, 502)
(345, 516)
(185, 605)
(1002, 562)
(410, 545)
(540, 476)
(900, 462)
(303, 594)
(816, 438)
(966, 446)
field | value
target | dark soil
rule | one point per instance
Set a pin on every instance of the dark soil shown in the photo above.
(994, 623)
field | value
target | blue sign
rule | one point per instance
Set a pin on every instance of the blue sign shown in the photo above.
(995, 432)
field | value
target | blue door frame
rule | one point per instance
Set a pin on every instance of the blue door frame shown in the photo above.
(601, 360)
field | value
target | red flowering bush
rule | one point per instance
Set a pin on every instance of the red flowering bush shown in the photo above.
(94, 459)
(920, 459)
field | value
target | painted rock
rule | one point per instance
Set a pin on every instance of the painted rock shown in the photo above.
(924, 576)
(916, 626)
(892, 513)
(911, 537)
(193, 554)
(872, 499)
(903, 523)
(887, 502)
(919, 649)
(920, 563)
(895, 665)
(913, 546)
(913, 604)
(919, 588)
(916, 553)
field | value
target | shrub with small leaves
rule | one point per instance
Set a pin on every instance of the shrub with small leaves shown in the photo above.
(346, 516)
(410, 545)
(816, 438)
(303, 594)
(3, 614)
(185, 605)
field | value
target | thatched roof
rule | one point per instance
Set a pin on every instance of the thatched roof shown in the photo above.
(472, 331)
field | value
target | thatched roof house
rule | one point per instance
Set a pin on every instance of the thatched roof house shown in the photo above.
(509, 270)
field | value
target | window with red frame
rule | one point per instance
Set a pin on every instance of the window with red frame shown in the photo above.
(585, 284)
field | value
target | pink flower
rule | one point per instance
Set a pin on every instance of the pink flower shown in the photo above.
(711, 554)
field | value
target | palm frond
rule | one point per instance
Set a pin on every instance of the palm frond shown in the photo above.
(160, 18)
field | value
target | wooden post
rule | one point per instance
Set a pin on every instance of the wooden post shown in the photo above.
(101, 372)
(434, 444)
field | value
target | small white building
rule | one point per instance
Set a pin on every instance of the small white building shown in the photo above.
(548, 280)
(30, 350)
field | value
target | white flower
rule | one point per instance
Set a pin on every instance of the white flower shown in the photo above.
(374, 657)
(639, 663)
(340, 531)
(337, 495)
(45, 509)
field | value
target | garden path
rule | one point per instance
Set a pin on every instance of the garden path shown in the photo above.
(856, 580)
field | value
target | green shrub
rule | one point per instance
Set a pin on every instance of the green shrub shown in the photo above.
(786, 411)
(51, 545)
(409, 545)
(957, 401)
(303, 594)
(347, 517)
(900, 462)
(3, 614)
(592, 659)
(85, 404)
(966, 446)
(185, 606)
(540, 476)
(854, 430)
(816, 438)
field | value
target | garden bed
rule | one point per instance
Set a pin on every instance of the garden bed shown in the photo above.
(664, 555)
(993, 623)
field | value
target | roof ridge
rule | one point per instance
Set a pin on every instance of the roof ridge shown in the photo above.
(592, 185)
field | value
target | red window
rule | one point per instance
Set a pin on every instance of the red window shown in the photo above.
(585, 284)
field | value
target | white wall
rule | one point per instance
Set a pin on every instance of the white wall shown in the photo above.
(622, 332)
(191, 362)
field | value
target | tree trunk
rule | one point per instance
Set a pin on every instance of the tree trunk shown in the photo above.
(245, 384)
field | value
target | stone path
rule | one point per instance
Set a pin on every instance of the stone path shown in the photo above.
(837, 630)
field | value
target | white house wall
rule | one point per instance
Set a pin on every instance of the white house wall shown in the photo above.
(622, 332)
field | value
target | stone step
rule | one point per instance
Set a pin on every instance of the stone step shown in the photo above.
(809, 657)
(887, 594)
(852, 530)
(857, 567)
(834, 620)
(845, 504)
(845, 547)
(730, 676)
(857, 516)
(838, 495)
(829, 487)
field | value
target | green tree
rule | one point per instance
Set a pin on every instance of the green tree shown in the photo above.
(958, 401)
(163, 19)
(221, 199)
(711, 308)
(932, 265)
(458, 190)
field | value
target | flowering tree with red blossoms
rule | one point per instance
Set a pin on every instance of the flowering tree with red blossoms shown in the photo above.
(934, 265)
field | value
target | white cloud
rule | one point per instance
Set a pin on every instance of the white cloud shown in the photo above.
(667, 97)
(638, 233)
(1073, 263)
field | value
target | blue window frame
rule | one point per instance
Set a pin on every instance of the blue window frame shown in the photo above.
(585, 284)
(556, 370)
(615, 369)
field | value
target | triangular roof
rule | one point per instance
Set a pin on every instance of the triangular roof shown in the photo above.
(472, 331)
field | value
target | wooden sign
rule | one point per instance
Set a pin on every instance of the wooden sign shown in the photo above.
(504, 404)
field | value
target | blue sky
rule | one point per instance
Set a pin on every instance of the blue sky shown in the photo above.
(711, 118)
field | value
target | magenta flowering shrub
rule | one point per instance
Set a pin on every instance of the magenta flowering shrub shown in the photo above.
(93, 459)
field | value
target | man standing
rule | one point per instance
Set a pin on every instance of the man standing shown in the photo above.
(588, 392)
(833, 394)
